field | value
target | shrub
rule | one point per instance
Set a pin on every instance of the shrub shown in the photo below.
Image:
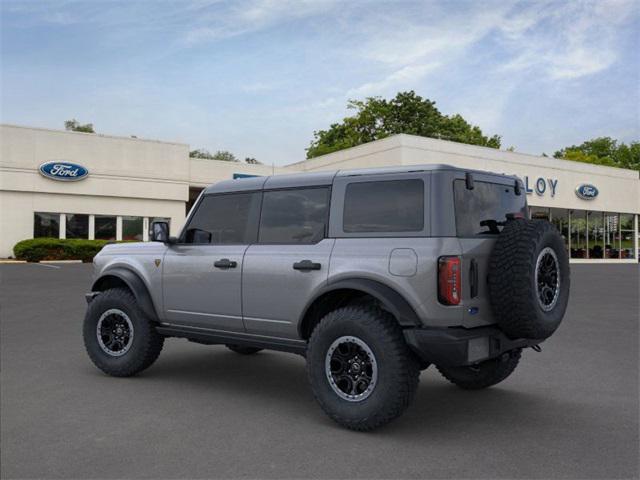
(36, 249)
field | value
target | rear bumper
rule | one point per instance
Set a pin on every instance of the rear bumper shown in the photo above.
(452, 347)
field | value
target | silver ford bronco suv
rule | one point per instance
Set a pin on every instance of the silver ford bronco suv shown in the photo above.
(372, 275)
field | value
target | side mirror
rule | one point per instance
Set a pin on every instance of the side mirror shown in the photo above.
(159, 232)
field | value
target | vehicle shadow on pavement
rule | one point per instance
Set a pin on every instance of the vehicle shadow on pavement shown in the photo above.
(280, 381)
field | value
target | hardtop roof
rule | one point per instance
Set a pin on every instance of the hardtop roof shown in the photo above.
(312, 179)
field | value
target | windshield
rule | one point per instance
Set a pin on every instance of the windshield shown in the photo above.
(483, 210)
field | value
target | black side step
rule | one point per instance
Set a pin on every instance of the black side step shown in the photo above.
(215, 337)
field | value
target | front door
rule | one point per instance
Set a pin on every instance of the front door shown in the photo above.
(289, 262)
(202, 274)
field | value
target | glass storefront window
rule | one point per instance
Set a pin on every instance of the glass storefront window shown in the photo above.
(105, 227)
(46, 225)
(611, 235)
(540, 213)
(77, 226)
(132, 228)
(578, 234)
(626, 236)
(560, 220)
(595, 227)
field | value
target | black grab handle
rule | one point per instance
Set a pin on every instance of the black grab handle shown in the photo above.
(473, 278)
(225, 263)
(306, 265)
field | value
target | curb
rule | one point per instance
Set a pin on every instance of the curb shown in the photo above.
(60, 261)
(6, 261)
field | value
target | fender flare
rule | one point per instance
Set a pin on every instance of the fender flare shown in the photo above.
(390, 299)
(135, 284)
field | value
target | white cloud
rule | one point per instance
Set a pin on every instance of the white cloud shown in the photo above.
(400, 79)
(565, 41)
(251, 16)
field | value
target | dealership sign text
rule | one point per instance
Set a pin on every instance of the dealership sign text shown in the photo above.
(541, 185)
(63, 171)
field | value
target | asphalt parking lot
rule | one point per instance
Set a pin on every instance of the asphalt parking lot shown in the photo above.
(568, 412)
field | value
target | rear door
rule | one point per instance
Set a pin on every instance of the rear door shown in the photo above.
(289, 262)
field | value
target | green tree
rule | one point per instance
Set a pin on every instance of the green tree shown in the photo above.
(201, 153)
(225, 156)
(252, 161)
(377, 118)
(219, 155)
(604, 151)
(74, 126)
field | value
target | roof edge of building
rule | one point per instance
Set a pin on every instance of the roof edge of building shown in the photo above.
(524, 157)
(118, 137)
(414, 141)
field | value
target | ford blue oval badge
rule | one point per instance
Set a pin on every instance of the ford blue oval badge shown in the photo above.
(586, 191)
(63, 171)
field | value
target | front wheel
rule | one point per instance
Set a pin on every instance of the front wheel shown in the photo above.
(119, 338)
(361, 371)
(485, 374)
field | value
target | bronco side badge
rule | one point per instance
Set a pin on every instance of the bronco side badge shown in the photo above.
(157, 262)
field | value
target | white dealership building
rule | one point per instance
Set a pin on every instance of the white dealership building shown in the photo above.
(78, 185)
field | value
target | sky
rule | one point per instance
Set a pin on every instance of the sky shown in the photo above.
(258, 77)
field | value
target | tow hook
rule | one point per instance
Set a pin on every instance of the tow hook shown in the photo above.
(536, 348)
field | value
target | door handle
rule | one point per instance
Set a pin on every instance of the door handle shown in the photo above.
(306, 265)
(225, 263)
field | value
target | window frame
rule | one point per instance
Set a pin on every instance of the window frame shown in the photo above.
(198, 205)
(340, 184)
(302, 187)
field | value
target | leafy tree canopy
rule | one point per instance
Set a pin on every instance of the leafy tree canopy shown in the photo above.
(75, 126)
(201, 153)
(604, 151)
(223, 155)
(377, 118)
(252, 161)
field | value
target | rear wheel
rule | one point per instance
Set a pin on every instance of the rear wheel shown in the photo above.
(242, 350)
(119, 338)
(485, 374)
(361, 371)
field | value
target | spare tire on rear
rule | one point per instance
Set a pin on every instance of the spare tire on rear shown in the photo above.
(529, 279)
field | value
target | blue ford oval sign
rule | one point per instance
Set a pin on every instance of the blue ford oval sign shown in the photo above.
(64, 171)
(586, 191)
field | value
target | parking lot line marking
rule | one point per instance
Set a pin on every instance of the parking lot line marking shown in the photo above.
(46, 265)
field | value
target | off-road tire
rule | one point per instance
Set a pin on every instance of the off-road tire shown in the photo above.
(485, 374)
(398, 369)
(512, 284)
(242, 350)
(146, 344)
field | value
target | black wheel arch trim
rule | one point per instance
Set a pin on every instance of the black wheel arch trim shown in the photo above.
(390, 299)
(135, 284)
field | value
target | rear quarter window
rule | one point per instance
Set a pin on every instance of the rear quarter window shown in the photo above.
(384, 206)
(481, 210)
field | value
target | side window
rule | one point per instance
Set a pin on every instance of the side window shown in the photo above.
(294, 216)
(224, 219)
(384, 206)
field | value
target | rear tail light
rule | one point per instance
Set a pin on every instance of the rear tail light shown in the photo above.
(449, 280)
